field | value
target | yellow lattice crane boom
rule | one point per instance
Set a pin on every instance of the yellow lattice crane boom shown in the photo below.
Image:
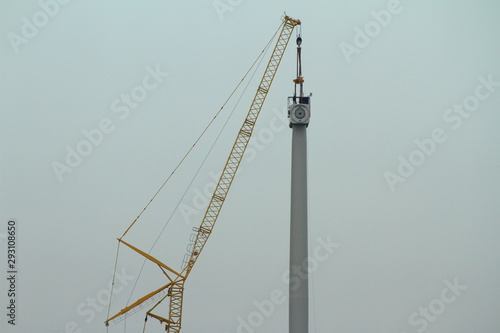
(174, 289)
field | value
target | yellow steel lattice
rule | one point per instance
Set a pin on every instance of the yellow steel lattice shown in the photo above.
(176, 285)
(240, 144)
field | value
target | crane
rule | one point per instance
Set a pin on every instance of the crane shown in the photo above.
(174, 289)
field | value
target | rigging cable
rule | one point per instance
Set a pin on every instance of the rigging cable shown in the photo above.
(113, 283)
(201, 135)
(199, 169)
(260, 56)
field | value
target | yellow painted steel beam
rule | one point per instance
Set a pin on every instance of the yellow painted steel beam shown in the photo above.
(138, 302)
(151, 258)
(161, 319)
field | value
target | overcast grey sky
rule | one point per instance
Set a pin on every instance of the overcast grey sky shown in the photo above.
(99, 100)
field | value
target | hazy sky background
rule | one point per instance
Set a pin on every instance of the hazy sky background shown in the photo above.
(401, 245)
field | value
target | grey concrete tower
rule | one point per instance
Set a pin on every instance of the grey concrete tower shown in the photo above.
(299, 114)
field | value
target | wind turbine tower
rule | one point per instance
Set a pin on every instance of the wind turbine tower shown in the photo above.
(299, 113)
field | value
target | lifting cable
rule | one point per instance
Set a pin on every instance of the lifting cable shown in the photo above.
(113, 282)
(260, 56)
(202, 133)
(215, 141)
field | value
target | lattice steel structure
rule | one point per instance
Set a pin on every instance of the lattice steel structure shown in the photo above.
(175, 287)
